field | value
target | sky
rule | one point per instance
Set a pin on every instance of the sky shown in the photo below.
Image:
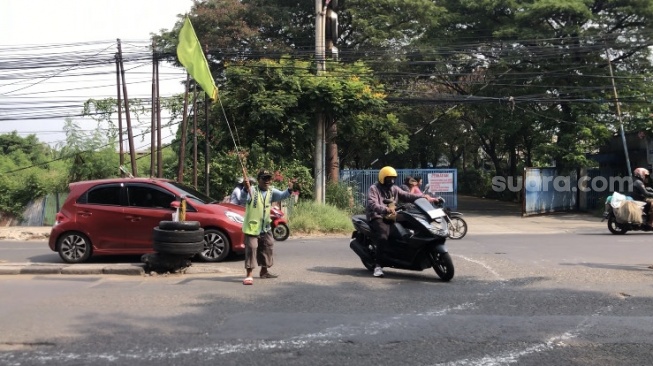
(25, 24)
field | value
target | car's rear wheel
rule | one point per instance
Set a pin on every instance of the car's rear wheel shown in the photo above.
(216, 246)
(74, 247)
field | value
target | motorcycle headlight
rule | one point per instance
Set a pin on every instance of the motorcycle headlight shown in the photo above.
(443, 230)
(235, 217)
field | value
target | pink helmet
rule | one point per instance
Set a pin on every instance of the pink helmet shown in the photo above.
(641, 173)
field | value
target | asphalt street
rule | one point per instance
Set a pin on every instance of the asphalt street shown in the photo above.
(560, 298)
(484, 217)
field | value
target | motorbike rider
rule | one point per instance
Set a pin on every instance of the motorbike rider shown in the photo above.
(381, 215)
(643, 193)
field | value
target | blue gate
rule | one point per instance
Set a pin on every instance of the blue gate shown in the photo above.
(437, 182)
(548, 191)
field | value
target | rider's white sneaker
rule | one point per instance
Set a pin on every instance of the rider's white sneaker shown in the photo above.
(378, 272)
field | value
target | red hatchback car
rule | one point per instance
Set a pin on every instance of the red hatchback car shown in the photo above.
(117, 216)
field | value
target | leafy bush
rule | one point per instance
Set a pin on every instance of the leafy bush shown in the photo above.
(343, 196)
(19, 189)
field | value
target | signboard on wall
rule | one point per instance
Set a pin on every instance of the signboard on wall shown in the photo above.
(440, 182)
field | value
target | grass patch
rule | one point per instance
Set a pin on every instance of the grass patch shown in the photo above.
(312, 218)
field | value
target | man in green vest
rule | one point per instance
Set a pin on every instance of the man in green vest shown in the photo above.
(256, 226)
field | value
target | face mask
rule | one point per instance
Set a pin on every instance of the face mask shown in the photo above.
(388, 182)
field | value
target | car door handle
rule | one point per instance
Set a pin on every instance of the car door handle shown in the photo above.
(133, 218)
(85, 213)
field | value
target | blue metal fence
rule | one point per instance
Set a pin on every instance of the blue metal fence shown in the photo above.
(546, 190)
(438, 182)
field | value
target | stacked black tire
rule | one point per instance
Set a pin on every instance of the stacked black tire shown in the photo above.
(183, 238)
(175, 243)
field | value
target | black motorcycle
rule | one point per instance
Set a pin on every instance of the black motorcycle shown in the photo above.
(416, 242)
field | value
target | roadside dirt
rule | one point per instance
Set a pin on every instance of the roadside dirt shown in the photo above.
(24, 233)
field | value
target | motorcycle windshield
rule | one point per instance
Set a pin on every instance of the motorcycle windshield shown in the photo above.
(426, 207)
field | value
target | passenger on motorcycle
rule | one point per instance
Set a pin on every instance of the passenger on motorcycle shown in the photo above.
(381, 215)
(643, 193)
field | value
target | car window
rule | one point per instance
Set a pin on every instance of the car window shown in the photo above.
(144, 196)
(102, 195)
(190, 192)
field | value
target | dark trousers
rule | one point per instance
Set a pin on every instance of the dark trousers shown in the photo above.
(259, 250)
(380, 232)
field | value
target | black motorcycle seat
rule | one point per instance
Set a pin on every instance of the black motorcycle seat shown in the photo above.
(361, 221)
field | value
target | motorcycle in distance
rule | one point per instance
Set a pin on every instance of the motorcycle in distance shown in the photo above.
(280, 229)
(416, 241)
(618, 228)
(457, 225)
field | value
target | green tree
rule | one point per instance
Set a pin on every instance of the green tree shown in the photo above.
(545, 63)
(29, 171)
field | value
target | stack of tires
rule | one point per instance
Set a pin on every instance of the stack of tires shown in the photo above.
(182, 238)
(175, 243)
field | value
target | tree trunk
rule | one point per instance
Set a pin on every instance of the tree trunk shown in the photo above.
(333, 164)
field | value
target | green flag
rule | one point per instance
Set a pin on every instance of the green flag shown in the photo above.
(189, 51)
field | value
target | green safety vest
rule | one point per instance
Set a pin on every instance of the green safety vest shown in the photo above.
(257, 212)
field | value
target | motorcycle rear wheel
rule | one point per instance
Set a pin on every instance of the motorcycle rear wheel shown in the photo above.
(443, 266)
(614, 227)
(457, 228)
(280, 232)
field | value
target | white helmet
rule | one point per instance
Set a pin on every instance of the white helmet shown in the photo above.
(641, 173)
(239, 180)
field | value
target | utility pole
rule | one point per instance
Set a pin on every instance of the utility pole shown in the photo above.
(195, 136)
(332, 168)
(182, 147)
(207, 136)
(621, 122)
(159, 152)
(130, 134)
(120, 142)
(153, 122)
(320, 13)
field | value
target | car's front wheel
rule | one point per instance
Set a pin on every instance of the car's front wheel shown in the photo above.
(216, 246)
(74, 247)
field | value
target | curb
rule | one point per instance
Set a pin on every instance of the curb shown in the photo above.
(130, 269)
(125, 269)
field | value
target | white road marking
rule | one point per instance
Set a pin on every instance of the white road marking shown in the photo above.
(513, 356)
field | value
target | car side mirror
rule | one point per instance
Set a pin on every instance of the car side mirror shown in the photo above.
(175, 204)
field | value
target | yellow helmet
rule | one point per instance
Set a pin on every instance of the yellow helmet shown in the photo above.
(386, 171)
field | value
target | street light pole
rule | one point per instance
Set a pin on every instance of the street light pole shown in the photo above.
(320, 11)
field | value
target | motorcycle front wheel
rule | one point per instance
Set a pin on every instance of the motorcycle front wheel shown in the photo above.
(280, 232)
(614, 227)
(443, 266)
(457, 228)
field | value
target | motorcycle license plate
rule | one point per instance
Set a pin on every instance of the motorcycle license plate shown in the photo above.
(436, 212)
